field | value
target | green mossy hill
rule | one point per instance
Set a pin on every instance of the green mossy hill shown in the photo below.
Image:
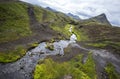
(99, 32)
(59, 22)
(14, 24)
(55, 18)
(74, 67)
(103, 36)
(14, 21)
(100, 19)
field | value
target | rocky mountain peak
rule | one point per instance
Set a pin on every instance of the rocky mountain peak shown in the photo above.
(101, 19)
(49, 8)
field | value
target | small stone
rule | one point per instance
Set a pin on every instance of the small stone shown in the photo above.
(41, 52)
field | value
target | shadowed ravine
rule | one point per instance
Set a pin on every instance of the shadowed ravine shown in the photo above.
(23, 68)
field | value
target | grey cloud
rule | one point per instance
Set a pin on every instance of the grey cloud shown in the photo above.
(85, 8)
(83, 14)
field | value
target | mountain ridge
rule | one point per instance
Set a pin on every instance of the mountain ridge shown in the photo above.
(48, 8)
(24, 26)
(101, 19)
(74, 16)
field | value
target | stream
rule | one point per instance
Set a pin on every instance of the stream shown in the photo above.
(24, 67)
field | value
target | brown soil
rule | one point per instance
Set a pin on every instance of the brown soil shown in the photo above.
(70, 52)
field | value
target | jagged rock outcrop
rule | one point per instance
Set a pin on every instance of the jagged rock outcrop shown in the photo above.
(101, 19)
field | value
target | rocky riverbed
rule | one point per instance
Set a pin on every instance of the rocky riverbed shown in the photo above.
(24, 67)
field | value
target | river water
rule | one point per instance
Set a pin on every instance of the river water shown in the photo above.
(24, 67)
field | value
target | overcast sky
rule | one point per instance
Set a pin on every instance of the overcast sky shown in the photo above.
(85, 8)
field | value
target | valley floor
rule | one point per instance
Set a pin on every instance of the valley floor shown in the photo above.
(81, 60)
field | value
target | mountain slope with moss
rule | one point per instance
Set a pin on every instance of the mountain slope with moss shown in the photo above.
(23, 26)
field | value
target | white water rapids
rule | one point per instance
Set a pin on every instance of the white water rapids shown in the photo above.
(58, 46)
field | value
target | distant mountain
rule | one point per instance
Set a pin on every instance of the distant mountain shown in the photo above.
(102, 19)
(53, 10)
(74, 16)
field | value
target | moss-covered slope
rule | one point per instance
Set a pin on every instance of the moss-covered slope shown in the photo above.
(14, 21)
(50, 69)
(22, 24)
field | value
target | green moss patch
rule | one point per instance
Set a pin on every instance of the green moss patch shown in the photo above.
(12, 55)
(63, 29)
(35, 44)
(49, 69)
(81, 36)
(80, 33)
(104, 44)
(112, 72)
(99, 45)
(50, 46)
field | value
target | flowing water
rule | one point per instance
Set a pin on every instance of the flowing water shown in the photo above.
(23, 68)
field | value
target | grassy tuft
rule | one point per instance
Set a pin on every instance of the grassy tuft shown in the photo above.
(50, 46)
(103, 44)
(99, 45)
(111, 72)
(53, 70)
